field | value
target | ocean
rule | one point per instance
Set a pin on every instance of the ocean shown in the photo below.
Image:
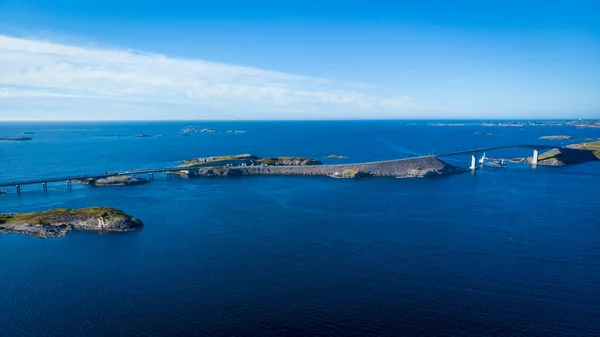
(498, 252)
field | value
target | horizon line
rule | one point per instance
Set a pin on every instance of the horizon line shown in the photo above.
(299, 120)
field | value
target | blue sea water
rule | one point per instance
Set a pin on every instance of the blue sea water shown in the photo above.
(500, 252)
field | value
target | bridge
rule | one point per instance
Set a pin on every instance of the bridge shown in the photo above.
(169, 170)
(475, 152)
(68, 179)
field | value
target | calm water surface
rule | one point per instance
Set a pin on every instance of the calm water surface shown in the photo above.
(513, 251)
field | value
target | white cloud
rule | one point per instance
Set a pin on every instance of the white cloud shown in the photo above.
(64, 75)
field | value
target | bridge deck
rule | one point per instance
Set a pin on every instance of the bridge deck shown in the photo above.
(491, 148)
(86, 176)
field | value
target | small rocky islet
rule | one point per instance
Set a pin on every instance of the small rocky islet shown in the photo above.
(198, 129)
(120, 180)
(558, 137)
(56, 223)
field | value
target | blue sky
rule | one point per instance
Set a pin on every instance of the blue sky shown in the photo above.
(299, 59)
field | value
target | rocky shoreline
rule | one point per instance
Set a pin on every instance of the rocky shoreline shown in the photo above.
(569, 155)
(59, 222)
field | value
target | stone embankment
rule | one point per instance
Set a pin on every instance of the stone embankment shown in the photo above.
(401, 168)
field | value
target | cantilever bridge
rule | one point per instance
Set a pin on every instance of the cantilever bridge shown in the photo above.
(475, 152)
(169, 170)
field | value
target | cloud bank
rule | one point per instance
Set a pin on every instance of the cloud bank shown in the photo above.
(43, 80)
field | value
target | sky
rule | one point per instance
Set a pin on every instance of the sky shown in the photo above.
(290, 60)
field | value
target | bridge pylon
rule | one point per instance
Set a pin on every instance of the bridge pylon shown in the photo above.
(473, 166)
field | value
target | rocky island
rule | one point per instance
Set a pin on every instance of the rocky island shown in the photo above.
(197, 129)
(58, 222)
(559, 137)
(249, 160)
(335, 156)
(568, 155)
(113, 181)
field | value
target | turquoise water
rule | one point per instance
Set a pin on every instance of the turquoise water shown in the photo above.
(504, 251)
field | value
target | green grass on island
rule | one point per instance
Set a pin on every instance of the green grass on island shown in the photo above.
(592, 146)
(351, 171)
(58, 215)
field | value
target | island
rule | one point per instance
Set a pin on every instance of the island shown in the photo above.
(569, 155)
(483, 133)
(559, 137)
(58, 222)
(447, 124)
(249, 165)
(16, 138)
(335, 156)
(248, 160)
(113, 181)
(142, 136)
(580, 123)
(236, 131)
(197, 129)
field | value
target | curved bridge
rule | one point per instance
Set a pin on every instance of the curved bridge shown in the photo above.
(474, 152)
(170, 170)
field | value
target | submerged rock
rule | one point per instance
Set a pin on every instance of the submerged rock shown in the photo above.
(58, 222)
(16, 138)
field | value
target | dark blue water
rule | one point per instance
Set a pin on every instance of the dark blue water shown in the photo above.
(513, 251)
